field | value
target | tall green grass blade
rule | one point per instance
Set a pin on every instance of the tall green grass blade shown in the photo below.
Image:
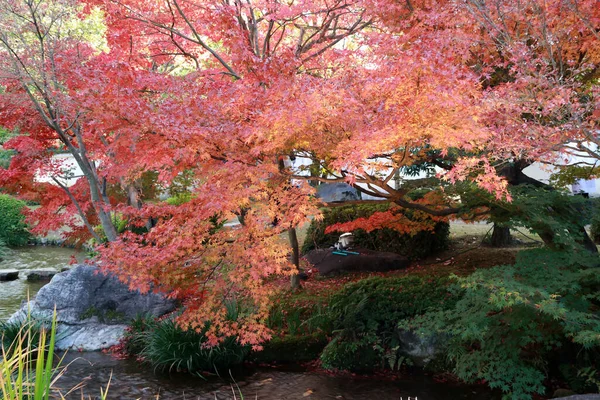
(48, 372)
(39, 368)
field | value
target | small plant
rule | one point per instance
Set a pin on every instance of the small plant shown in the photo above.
(27, 362)
(89, 313)
(26, 368)
(28, 330)
(168, 347)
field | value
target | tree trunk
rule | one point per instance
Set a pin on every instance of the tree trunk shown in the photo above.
(136, 201)
(501, 236)
(515, 176)
(295, 278)
(293, 238)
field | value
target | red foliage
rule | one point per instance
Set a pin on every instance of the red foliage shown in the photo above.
(224, 90)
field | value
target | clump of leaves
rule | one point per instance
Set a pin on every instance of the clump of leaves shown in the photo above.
(5, 155)
(169, 348)
(511, 319)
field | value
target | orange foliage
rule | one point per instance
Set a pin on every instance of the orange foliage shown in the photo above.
(225, 89)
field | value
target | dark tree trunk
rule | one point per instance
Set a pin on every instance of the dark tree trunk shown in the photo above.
(501, 236)
(515, 176)
(295, 279)
(293, 238)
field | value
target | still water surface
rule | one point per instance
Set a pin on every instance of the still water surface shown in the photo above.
(130, 380)
(26, 258)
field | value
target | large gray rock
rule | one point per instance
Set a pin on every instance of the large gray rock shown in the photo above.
(93, 309)
(581, 397)
(420, 348)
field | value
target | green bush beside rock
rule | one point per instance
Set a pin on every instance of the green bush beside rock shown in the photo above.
(365, 316)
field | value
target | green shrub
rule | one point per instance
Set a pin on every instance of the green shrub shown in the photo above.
(291, 348)
(353, 355)
(595, 230)
(29, 330)
(134, 339)
(13, 229)
(365, 316)
(169, 348)
(595, 220)
(514, 321)
(5, 155)
(420, 245)
(179, 199)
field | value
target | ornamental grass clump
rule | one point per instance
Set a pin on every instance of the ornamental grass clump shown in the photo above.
(29, 369)
(26, 368)
(169, 347)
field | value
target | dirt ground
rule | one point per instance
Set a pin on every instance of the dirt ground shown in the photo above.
(467, 252)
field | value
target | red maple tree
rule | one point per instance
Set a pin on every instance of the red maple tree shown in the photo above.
(226, 90)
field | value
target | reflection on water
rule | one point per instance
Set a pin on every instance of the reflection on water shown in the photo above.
(25, 258)
(131, 381)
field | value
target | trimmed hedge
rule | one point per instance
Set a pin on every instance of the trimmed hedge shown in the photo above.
(417, 246)
(13, 229)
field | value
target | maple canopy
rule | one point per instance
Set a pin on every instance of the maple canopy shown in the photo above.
(223, 91)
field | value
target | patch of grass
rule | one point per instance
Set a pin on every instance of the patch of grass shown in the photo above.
(169, 348)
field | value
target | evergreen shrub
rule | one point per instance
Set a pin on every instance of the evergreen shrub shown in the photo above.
(515, 324)
(365, 316)
(13, 229)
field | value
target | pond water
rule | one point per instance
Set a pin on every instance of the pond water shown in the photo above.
(14, 292)
(130, 380)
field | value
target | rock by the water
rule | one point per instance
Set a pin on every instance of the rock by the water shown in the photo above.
(420, 349)
(581, 397)
(43, 274)
(93, 309)
(335, 192)
(328, 263)
(9, 274)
